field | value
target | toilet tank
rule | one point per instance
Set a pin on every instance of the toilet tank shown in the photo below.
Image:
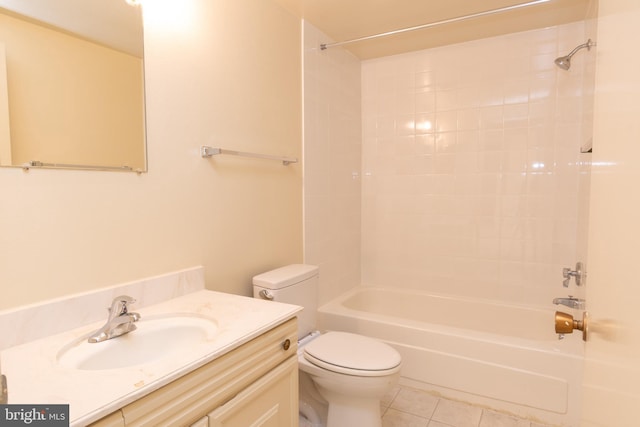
(294, 284)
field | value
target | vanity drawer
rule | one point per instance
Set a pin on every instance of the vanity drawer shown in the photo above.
(194, 395)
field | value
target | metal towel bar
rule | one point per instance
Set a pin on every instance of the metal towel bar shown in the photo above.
(212, 151)
(39, 164)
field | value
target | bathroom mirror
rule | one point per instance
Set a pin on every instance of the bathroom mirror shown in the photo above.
(72, 85)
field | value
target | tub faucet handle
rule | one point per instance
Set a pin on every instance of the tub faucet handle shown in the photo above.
(578, 274)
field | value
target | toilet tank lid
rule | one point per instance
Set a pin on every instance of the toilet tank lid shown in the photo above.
(285, 276)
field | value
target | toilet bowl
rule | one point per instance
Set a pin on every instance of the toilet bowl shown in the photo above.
(349, 372)
(352, 373)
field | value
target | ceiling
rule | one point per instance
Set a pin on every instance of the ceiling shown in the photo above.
(113, 23)
(349, 19)
(339, 19)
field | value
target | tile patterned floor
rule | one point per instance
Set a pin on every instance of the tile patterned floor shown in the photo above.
(407, 407)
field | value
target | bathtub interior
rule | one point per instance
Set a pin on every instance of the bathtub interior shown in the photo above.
(531, 375)
(459, 312)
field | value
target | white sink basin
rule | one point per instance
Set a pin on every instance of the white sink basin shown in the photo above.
(155, 338)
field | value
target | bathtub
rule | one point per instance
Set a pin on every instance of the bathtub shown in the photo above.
(505, 357)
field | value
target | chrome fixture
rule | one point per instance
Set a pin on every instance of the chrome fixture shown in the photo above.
(120, 320)
(38, 164)
(565, 324)
(213, 151)
(324, 46)
(265, 294)
(570, 302)
(578, 273)
(564, 62)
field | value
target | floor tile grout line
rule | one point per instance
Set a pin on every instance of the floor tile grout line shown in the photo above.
(394, 396)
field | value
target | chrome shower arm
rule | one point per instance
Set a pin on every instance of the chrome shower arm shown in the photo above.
(588, 45)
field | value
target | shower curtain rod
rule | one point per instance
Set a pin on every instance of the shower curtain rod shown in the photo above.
(434, 24)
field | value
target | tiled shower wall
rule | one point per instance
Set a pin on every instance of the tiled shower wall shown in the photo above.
(470, 154)
(332, 157)
(471, 166)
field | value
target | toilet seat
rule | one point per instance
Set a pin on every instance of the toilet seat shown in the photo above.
(352, 354)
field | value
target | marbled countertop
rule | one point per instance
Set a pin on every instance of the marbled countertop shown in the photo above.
(35, 377)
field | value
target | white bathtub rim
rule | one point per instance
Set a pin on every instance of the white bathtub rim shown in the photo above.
(414, 291)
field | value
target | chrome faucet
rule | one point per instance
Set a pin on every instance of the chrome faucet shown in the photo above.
(119, 322)
(570, 302)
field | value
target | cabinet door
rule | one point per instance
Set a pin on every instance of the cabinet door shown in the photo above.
(272, 401)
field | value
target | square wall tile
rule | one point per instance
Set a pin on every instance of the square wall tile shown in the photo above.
(491, 132)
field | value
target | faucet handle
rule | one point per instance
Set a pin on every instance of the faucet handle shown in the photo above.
(125, 299)
(119, 305)
(578, 274)
(566, 273)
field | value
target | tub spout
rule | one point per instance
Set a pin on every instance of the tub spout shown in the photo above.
(570, 302)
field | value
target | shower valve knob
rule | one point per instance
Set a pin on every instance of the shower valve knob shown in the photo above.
(578, 274)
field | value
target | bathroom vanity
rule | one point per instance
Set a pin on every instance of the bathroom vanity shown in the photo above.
(254, 384)
(242, 370)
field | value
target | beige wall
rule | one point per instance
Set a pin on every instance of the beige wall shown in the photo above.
(224, 73)
(5, 138)
(71, 101)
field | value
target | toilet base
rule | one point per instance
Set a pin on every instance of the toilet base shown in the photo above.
(354, 413)
(313, 407)
(353, 401)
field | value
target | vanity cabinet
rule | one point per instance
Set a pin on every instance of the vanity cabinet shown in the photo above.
(254, 384)
(269, 402)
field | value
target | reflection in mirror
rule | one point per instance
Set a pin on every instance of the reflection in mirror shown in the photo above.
(72, 85)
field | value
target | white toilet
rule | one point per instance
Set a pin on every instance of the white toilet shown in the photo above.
(351, 372)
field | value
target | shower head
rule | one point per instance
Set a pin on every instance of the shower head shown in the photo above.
(564, 62)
